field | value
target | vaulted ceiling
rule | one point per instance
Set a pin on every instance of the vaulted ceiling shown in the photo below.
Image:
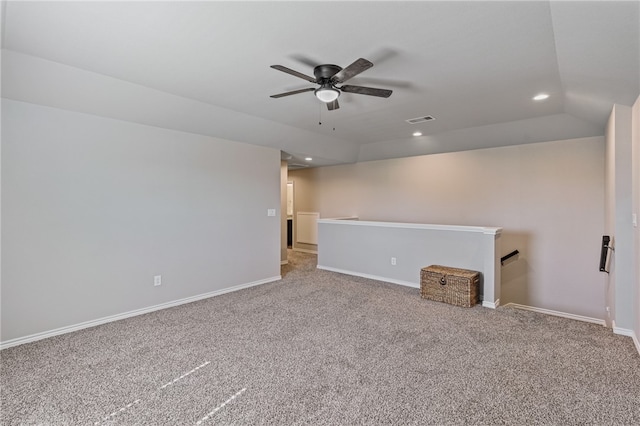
(204, 67)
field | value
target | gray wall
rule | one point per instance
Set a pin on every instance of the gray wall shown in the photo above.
(93, 208)
(635, 129)
(622, 200)
(283, 212)
(548, 197)
(618, 213)
(366, 248)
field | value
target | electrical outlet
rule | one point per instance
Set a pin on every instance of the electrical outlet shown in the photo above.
(271, 212)
(157, 280)
(393, 261)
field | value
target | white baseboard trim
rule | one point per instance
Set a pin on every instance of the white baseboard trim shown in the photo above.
(71, 328)
(305, 250)
(372, 277)
(622, 331)
(492, 305)
(629, 333)
(557, 313)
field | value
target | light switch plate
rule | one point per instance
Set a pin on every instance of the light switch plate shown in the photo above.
(271, 212)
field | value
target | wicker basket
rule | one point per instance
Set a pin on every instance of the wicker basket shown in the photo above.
(450, 285)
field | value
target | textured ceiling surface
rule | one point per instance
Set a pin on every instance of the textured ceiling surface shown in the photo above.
(474, 66)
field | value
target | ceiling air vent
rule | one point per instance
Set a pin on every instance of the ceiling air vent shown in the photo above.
(420, 119)
(296, 166)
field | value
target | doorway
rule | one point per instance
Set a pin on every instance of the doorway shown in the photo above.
(289, 215)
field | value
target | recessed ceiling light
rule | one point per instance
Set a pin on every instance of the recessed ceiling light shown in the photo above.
(308, 159)
(417, 133)
(540, 97)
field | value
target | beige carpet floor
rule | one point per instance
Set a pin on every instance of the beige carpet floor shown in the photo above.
(321, 348)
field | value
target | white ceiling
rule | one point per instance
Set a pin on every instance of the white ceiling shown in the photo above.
(474, 66)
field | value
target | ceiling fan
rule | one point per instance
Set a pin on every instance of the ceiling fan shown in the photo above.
(329, 77)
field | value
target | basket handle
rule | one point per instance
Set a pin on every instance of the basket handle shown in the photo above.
(443, 280)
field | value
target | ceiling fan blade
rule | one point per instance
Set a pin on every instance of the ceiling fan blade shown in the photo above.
(293, 92)
(352, 70)
(361, 90)
(333, 105)
(292, 72)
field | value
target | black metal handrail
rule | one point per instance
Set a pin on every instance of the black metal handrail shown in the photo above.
(508, 256)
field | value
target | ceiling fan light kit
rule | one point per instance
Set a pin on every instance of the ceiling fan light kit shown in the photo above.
(328, 76)
(326, 93)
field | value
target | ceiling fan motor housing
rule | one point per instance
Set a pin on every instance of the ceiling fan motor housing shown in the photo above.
(323, 73)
